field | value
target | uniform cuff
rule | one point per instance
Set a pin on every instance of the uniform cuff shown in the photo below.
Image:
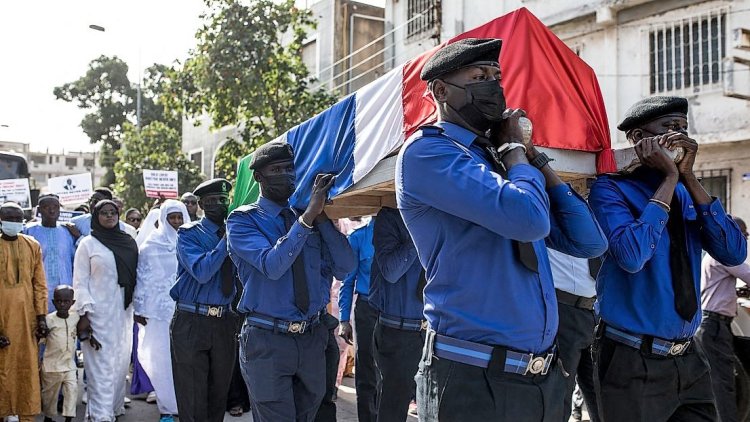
(655, 215)
(711, 212)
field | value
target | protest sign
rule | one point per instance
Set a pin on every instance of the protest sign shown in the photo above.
(72, 189)
(16, 190)
(160, 183)
(65, 216)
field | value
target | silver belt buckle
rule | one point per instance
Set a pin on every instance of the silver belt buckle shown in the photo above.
(297, 327)
(214, 311)
(538, 365)
(678, 349)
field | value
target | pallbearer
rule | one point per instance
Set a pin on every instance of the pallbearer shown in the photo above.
(480, 202)
(286, 260)
(657, 220)
(203, 328)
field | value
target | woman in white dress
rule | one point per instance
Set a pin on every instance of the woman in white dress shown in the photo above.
(104, 277)
(154, 308)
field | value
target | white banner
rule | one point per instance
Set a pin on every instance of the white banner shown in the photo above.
(16, 190)
(160, 183)
(73, 189)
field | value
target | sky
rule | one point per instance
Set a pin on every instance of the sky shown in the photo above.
(44, 44)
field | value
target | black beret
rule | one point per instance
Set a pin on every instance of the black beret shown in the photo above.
(460, 54)
(270, 152)
(213, 187)
(650, 109)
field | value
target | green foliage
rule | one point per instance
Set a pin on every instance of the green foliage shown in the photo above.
(156, 147)
(247, 71)
(111, 98)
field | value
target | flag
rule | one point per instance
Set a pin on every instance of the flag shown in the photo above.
(246, 189)
(541, 75)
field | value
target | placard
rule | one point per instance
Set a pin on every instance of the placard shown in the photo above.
(65, 216)
(16, 190)
(160, 183)
(72, 189)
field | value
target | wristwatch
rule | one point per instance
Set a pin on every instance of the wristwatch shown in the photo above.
(510, 146)
(541, 160)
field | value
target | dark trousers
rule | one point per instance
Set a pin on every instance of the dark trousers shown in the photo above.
(574, 339)
(366, 374)
(640, 387)
(717, 341)
(238, 395)
(285, 374)
(327, 409)
(397, 353)
(451, 391)
(203, 354)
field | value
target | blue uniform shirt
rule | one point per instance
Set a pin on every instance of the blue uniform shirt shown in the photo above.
(58, 252)
(264, 251)
(463, 216)
(396, 268)
(359, 279)
(634, 285)
(200, 254)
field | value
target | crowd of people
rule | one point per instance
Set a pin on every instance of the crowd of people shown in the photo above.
(489, 294)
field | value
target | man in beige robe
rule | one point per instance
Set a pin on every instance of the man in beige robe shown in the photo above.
(23, 307)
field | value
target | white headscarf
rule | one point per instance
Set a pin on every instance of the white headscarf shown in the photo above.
(148, 226)
(157, 266)
(165, 234)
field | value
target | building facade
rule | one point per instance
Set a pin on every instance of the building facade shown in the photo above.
(638, 48)
(45, 165)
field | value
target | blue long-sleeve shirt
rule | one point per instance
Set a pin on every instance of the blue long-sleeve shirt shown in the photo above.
(396, 268)
(634, 286)
(200, 254)
(359, 279)
(264, 251)
(463, 218)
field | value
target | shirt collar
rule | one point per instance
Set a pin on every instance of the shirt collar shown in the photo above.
(269, 206)
(209, 225)
(458, 133)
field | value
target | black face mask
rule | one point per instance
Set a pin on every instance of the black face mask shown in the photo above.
(217, 213)
(485, 104)
(279, 188)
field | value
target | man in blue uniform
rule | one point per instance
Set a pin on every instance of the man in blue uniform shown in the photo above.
(479, 205)
(396, 290)
(657, 221)
(286, 260)
(365, 317)
(203, 328)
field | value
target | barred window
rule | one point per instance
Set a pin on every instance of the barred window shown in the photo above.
(426, 23)
(687, 53)
(717, 184)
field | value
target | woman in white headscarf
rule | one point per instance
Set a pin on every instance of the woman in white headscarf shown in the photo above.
(157, 273)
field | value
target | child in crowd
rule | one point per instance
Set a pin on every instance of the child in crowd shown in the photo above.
(58, 365)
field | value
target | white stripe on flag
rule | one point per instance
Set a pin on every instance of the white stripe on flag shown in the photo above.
(378, 121)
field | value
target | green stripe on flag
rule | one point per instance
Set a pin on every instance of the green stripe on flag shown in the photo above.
(246, 189)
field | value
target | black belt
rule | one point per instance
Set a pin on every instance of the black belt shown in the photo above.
(574, 300)
(717, 316)
(216, 311)
(283, 326)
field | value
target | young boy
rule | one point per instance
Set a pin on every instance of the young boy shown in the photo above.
(58, 366)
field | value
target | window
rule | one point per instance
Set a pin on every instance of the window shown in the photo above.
(197, 158)
(717, 183)
(57, 159)
(687, 53)
(424, 19)
(88, 162)
(310, 57)
(38, 159)
(71, 161)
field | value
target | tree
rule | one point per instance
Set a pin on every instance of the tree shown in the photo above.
(156, 147)
(247, 71)
(107, 92)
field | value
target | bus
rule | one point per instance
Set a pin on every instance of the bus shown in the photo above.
(13, 166)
